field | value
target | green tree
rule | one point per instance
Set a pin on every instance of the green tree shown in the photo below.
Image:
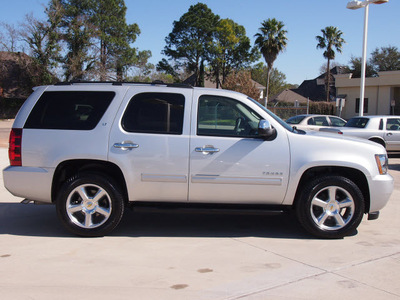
(277, 81)
(230, 50)
(77, 32)
(241, 82)
(386, 59)
(187, 44)
(330, 40)
(271, 40)
(42, 39)
(143, 67)
(355, 68)
(114, 36)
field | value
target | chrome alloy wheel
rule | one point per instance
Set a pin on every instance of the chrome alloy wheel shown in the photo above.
(88, 206)
(332, 208)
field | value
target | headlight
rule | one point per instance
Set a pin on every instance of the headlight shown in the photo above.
(382, 163)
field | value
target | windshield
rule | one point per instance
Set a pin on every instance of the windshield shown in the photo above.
(275, 117)
(357, 122)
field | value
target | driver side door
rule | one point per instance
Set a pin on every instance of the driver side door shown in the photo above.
(229, 162)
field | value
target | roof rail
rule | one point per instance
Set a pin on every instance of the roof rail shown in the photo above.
(156, 82)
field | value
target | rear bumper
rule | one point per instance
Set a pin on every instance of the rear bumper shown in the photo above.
(29, 182)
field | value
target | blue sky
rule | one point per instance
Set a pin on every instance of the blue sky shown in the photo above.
(303, 20)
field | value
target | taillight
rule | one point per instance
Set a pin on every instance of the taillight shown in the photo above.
(14, 150)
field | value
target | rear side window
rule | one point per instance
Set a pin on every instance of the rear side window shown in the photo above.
(155, 113)
(75, 110)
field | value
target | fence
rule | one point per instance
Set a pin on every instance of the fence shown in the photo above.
(286, 112)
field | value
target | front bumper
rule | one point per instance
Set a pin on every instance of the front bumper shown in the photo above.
(380, 188)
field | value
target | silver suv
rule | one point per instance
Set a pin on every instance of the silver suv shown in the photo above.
(93, 149)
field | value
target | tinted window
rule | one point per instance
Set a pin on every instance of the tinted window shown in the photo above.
(357, 122)
(155, 113)
(337, 122)
(393, 124)
(69, 110)
(320, 121)
(295, 120)
(365, 105)
(221, 116)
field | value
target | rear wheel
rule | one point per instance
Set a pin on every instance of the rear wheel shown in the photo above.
(330, 207)
(90, 204)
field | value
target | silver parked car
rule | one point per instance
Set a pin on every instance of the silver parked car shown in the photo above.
(315, 122)
(95, 149)
(384, 130)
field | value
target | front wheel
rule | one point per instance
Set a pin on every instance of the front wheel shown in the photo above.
(330, 207)
(90, 205)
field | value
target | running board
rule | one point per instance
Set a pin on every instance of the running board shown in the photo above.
(209, 209)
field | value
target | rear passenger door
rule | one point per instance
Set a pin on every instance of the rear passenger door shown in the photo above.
(392, 134)
(149, 141)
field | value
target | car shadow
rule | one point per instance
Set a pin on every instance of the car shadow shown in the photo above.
(41, 220)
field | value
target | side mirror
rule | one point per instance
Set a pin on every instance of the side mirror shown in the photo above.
(265, 130)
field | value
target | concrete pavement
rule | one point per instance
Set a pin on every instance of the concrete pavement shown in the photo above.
(179, 256)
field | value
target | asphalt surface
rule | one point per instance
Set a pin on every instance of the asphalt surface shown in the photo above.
(196, 256)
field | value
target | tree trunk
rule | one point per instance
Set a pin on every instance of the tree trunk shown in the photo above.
(201, 74)
(328, 83)
(267, 86)
(102, 61)
(119, 71)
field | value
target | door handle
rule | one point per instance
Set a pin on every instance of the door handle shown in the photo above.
(206, 149)
(389, 134)
(126, 146)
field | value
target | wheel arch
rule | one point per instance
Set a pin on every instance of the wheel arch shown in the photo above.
(69, 168)
(378, 140)
(354, 175)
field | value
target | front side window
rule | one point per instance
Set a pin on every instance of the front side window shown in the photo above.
(155, 113)
(69, 110)
(221, 116)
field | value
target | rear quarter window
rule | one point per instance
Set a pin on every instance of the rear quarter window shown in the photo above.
(69, 110)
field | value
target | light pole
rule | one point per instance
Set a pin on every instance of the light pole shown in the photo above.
(356, 4)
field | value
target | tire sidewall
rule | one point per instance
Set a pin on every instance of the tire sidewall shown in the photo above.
(116, 198)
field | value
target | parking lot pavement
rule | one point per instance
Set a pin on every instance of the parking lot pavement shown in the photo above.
(197, 256)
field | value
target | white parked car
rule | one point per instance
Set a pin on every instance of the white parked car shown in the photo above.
(384, 130)
(94, 149)
(315, 122)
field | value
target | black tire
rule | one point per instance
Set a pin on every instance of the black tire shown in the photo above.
(90, 204)
(325, 217)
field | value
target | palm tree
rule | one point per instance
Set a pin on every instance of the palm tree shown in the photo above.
(331, 39)
(271, 40)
